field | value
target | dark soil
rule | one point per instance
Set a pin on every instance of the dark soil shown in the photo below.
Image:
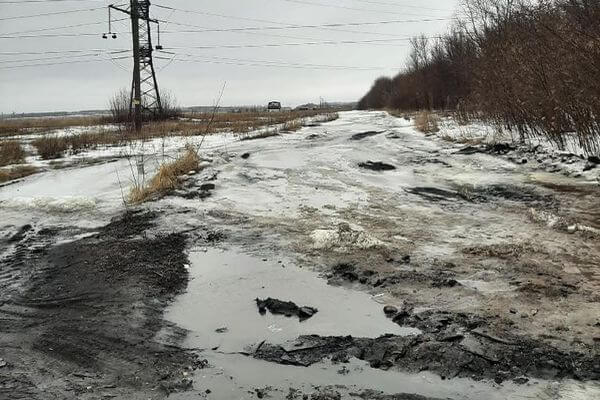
(498, 148)
(485, 194)
(349, 273)
(364, 135)
(451, 344)
(21, 233)
(450, 347)
(376, 166)
(337, 393)
(84, 325)
(287, 308)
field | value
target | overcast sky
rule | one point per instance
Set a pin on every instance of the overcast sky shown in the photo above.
(253, 75)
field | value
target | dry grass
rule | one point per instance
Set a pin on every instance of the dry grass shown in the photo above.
(50, 148)
(11, 152)
(427, 122)
(293, 126)
(9, 174)
(19, 126)
(166, 179)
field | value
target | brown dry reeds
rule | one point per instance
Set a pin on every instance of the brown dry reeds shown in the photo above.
(9, 174)
(167, 177)
(530, 67)
(11, 152)
(49, 148)
(19, 126)
(427, 122)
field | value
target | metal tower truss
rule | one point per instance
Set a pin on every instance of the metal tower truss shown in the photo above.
(151, 103)
(145, 98)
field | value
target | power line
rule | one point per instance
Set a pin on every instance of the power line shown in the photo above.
(310, 3)
(58, 63)
(327, 27)
(402, 5)
(59, 27)
(51, 13)
(196, 57)
(45, 1)
(12, 53)
(316, 43)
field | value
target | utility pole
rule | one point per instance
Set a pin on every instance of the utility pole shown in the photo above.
(145, 97)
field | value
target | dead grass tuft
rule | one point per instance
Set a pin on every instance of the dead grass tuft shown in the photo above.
(427, 122)
(11, 152)
(51, 147)
(16, 126)
(293, 126)
(9, 174)
(167, 177)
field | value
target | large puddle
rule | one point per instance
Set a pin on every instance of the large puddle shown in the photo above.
(220, 296)
(225, 284)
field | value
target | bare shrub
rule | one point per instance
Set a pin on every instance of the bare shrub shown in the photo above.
(51, 147)
(11, 152)
(427, 122)
(167, 177)
(532, 67)
(119, 106)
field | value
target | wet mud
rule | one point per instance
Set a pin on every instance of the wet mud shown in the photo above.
(287, 308)
(364, 135)
(486, 194)
(376, 166)
(450, 347)
(85, 325)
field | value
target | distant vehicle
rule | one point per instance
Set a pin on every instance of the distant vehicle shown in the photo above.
(274, 105)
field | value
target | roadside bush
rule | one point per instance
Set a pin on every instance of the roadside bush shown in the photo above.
(11, 152)
(119, 106)
(167, 177)
(51, 147)
(530, 66)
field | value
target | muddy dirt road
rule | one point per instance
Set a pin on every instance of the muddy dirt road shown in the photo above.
(429, 270)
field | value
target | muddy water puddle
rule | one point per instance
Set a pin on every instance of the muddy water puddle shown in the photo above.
(222, 319)
(222, 292)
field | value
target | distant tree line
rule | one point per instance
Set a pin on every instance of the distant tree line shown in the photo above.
(530, 65)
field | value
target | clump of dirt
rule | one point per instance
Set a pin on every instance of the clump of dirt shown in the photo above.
(451, 352)
(484, 194)
(340, 392)
(93, 307)
(497, 148)
(287, 308)
(21, 233)
(350, 273)
(377, 166)
(364, 135)
(435, 194)
(506, 251)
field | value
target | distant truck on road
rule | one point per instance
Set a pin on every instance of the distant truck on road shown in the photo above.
(274, 106)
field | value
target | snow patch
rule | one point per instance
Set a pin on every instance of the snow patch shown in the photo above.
(68, 204)
(343, 237)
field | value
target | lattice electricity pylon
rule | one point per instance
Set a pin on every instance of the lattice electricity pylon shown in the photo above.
(145, 97)
(149, 86)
